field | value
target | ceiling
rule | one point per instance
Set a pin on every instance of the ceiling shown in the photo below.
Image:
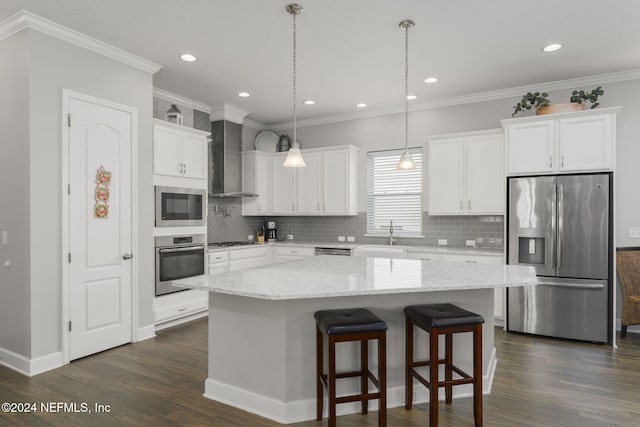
(352, 51)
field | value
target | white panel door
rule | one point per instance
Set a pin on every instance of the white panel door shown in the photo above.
(99, 275)
(336, 186)
(530, 147)
(309, 185)
(283, 187)
(194, 156)
(586, 143)
(166, 151)
(485, 175)
(446, 176)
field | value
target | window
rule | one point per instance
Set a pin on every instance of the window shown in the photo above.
(394, 195)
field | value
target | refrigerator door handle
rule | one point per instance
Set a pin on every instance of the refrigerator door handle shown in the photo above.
(573, 285)
(560, 226)
(554, 234)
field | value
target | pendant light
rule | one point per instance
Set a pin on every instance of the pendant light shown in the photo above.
(294, 158)
(406, 161)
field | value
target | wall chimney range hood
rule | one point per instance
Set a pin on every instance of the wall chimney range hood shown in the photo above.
(225, 161)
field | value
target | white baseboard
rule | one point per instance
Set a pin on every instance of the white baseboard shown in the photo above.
(185, 319)
(30, 367)
(14, 361)
(305, 410)
(45, 363)
(145, 333)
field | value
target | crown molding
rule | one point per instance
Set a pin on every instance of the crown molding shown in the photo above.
(228, 112)
(254, 125)
(24, 19)
(172, 97)
(618, 76)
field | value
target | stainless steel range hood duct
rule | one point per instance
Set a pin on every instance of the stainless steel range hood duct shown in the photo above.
(225, 161)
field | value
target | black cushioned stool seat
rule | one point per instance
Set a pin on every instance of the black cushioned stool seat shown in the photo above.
(443, 319)
(344, 325)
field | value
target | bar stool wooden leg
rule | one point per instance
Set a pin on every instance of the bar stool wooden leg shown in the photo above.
(477, 373)
(364, 378)
(382, 378)
(433, 378)
(448, 367)
(332, 381)
(319, 369)
(408, 364)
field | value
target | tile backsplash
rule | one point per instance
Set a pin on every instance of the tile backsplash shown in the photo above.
(226, 223)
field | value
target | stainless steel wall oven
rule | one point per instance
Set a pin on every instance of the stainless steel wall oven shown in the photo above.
(178, 257)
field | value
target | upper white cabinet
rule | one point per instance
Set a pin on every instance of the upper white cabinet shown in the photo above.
(257, 173)
(465, 174)
(561, 143)
(327, 185)
(179, 150)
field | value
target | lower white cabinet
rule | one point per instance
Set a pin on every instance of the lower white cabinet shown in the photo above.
(240, 259)
(284, 254)
(217, 262)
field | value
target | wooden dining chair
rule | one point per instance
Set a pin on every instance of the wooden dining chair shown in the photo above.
(628, 264)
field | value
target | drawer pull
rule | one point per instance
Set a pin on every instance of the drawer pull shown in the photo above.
(471, 262)
(182, 309)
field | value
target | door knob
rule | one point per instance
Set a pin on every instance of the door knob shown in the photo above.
(127, 256)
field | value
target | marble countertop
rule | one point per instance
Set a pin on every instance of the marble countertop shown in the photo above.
(334, 276)
(405, 248)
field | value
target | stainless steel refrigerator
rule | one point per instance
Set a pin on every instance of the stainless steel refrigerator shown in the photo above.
(560, 225)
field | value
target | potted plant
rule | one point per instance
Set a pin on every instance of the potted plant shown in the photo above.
(531, 100)
(579, 100)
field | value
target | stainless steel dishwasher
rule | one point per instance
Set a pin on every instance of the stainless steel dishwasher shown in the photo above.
(326, 250)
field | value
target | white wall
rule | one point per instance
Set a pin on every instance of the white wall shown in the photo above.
(54, 65)
(14, 195)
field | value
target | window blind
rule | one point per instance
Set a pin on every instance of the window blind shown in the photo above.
(393, 194)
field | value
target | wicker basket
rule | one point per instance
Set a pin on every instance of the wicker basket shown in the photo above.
(628, 264)
(560, 108)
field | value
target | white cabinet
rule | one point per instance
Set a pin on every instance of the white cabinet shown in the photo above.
(465, 174)
(217, 262)
(284, 200)
(179, 150)
(561, 143)
(257, 174)
(291, 253)
(250, 257)
(327, 185)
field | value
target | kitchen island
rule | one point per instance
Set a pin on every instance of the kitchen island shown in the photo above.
(262, 330)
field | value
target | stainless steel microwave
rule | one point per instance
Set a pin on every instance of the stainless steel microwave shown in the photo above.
(177, 207)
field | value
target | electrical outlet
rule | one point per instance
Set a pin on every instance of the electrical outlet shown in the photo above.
(351, 239)
(250, 237)
(289, 236)
(4, 237)
(634, 232)
(471, 243)
(340, 238)
(442, 242)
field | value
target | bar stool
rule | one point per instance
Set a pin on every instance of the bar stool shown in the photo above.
(352, 324)
(443, 319)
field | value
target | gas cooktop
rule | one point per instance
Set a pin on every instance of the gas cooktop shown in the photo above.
(225, 244)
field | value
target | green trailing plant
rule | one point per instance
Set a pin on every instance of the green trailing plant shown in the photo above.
(531, 100)
(587, 97)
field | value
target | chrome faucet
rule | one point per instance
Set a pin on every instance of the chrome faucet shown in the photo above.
(391, 238)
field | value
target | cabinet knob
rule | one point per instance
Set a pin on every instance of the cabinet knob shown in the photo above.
(127, 256)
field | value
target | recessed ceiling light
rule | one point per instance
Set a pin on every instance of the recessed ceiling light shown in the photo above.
(411, 97)
(361, 105)
(552, 47)
(187, 57)
(309, 102)
(244, 94)
(431, 80)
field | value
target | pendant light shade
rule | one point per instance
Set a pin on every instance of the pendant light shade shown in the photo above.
(294, 158)
(406, 160)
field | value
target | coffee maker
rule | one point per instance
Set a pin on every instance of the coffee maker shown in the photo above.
(271, 231)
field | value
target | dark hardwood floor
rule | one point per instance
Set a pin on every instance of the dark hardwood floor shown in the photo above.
(160, 382)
